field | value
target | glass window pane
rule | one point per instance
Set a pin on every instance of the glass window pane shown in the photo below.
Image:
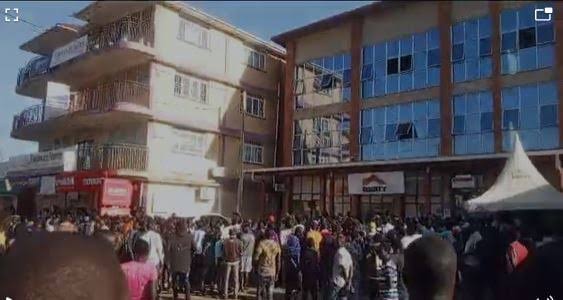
(378, 115)
(458, 35)
(459, 105)
(545, 56)
(548, 116)
(460, 144)
(530, 117)
(549, 138)
(405, 63)
(528, 95)
(527, 38)
(405, 83)
(366, 118)
(471, 48)
(526, 16)
(419, 109)
(473, 123)
(457, 52)
(508, 41)
(391, 114)
(339, 62)
(486, 121)
(421, 127)
(472, 69)
(486, 101)
(380, 53)
(433, 128)
(405, 112)
(508, 20)
(471, 30)
(459, 125)
(419, 79)
(459, 71)
(390, 130)
(393, 49)
(367, 55)
(545, 33)
(510, 119)
(527, 59)
(420, 42)
(484, 26)
(379, 88)
(392, 84)
(367, 72)
(433, 57)
(347, 61)
(392, 66)
(472, 103)
(485, 67)
(406, 46)
(380, 69)
(420, 60)
(434, 76)
(510, 98)
(485, 46)
(433, 109)
(433, 38)
(547, 93)
(367, 89)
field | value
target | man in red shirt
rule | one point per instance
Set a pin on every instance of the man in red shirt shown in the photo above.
(141, 275)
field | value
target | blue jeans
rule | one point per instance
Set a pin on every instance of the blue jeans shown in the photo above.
(181, 282)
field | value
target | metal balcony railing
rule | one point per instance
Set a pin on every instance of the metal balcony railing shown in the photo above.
(136, 27)
(105, 96)
(111, 157)
(36, 66)
(28, 116)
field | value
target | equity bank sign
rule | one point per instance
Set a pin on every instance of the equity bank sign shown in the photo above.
(376, 183)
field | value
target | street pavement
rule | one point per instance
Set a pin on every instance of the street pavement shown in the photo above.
(250, 294)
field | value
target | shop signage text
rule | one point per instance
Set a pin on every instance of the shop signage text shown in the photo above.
(376, 183)
(463, 182)
(69, 51)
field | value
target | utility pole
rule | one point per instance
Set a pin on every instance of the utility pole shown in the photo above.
(240, 190)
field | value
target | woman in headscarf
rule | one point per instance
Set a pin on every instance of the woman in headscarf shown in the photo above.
(292, 255)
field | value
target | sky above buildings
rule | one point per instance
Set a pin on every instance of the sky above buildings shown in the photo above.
(263, 19)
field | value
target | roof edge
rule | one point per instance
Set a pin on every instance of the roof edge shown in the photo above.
(66, 26)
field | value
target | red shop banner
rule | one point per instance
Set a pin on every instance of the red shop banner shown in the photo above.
(79, 181)
(116, 193)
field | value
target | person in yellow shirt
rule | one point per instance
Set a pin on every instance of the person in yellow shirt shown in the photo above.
(316, 235)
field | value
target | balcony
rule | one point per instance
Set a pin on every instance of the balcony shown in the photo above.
(111, 157)
(109, 96)
(110, 48)
(95, 108)
(29, 116)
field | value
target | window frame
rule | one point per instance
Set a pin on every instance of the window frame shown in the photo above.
(203, 33)
(184, 88)
(255, 100)
(252, 148)
(249, 61)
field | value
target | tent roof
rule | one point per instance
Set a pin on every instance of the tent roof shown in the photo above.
(520, 186)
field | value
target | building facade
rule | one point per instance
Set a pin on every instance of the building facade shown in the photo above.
(411, 107)
(154, 98)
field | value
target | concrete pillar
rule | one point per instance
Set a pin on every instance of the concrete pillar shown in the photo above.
(444, 24)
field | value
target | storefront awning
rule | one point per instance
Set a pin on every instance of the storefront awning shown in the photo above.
(399, 163)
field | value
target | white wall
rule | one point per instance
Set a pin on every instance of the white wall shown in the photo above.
(165, 199)
(171, 155)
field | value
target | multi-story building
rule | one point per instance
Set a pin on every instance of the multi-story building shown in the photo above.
(411, 107)
(148, 102)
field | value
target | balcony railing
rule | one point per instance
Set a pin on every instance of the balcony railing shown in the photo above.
(136, 27)
(105, 96)
(29, 116)
(111, 157)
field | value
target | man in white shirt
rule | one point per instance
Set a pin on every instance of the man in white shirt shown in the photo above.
(156, 251)
(342, 271)
(387, 226)
(412, 235)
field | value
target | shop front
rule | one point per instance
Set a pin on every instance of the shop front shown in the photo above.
(95, 191)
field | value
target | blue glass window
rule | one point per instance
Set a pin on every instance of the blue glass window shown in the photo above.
(471, 49)
(532, 111)
(472, 123)
(402, 64)
(402, 130)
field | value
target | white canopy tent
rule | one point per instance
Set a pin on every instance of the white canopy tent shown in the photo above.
(520, 186)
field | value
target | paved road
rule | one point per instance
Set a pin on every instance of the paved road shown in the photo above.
(278, 294)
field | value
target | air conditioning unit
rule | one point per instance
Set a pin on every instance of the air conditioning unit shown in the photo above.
(279, 187)
(207, 193)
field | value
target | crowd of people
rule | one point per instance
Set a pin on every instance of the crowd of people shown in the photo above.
(321, 257)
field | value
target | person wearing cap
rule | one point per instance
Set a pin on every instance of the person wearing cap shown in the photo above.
(232, 248)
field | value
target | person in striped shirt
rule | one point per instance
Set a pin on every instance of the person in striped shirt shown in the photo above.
(387, 273)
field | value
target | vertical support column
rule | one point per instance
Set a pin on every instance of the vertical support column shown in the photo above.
(558, 11)
(355, 206)
(331, 198)
(288, 106)
(444, 24)
(356, 55)
(496, 86)
(427, 190)
(287, 195)
(322, 205)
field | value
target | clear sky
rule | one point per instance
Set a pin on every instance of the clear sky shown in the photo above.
(263, 19)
